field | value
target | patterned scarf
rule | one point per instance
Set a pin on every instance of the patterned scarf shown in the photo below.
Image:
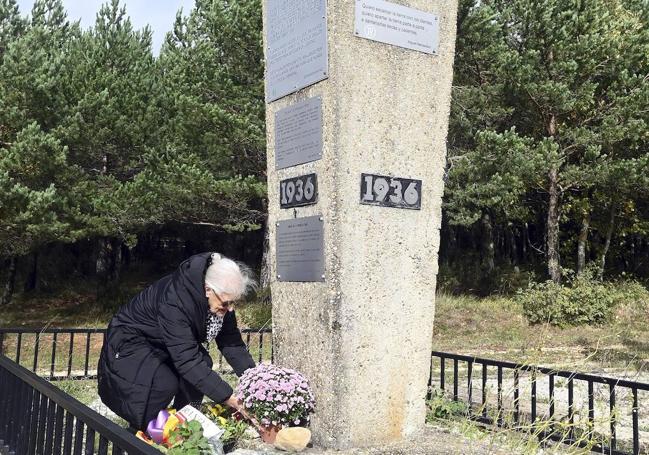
(214, 323)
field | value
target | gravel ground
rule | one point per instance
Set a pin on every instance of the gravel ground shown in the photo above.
(432, 441)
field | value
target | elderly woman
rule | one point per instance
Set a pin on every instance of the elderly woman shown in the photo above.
(154, 347)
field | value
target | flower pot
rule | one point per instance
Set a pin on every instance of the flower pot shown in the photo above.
(268, 434)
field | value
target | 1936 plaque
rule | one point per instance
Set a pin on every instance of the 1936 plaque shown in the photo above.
(399, 25)
(298, 133)
(298, 191)
(299, 249)
(296, 45)
(386, 191)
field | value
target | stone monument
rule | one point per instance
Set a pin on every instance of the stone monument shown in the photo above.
(358, 97)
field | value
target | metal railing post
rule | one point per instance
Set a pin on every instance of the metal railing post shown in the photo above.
(37, 418)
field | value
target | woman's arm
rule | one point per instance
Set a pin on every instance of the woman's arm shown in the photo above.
(231, 345)
(186, 356)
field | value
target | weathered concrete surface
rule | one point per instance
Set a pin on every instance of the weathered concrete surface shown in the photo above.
(364, 336)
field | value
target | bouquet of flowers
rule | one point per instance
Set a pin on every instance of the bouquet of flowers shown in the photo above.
(232, 422)
(276, 396)
(187, 438)
(187, 431)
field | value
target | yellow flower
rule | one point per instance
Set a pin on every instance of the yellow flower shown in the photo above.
(216, 409)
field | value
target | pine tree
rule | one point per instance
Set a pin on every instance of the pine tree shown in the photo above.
(213, 96)
(556, 81)
(114, 118)
(12, 25)
(41, 196)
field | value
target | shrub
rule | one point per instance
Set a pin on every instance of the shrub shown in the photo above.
(255, 315)
(440, 407)
(582, 300)
(258, 311)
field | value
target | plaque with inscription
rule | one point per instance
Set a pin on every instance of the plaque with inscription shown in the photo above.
(298, 133)
(296, 45)
(399, 25)
(390, 191)
(298, 191)
(300, 249)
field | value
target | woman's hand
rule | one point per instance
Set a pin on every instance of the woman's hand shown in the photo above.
(233, 403)
(237, 405)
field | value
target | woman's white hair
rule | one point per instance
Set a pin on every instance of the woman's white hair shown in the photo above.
(226, 276)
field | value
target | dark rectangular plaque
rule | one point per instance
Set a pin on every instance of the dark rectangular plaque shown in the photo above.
(296, 45)
(300, 249)
(298, 133)
(390, 191)
(298, 191)
(399, 25)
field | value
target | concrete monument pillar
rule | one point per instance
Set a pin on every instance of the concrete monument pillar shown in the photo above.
(358, 95)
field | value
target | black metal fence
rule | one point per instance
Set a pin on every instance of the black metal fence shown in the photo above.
(583, 410)
(38, 418)
(63, 354)
(605, 414)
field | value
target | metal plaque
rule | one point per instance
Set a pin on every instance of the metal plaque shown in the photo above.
(298, 191)
(298, 133)
(300, 249)
(296, 45)
(399, 25)
(390, 191)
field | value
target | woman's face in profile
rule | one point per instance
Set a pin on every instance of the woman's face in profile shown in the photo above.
(219, 303)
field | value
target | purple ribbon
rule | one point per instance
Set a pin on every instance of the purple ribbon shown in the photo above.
(156, 426)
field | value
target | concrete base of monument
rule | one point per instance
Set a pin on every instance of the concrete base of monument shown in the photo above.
(430, 441)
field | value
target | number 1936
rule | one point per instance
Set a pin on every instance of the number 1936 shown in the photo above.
(390, 191)
(298, 191)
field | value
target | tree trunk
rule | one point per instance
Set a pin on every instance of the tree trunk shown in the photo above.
(581, 243)
(554, 267)
(607, 243)
(265, 275)
(108, 264)
(125, 256)
(452, 245)
(487, 247)
(32, 277)
(513, 246)
(11, 282)
(526, 241)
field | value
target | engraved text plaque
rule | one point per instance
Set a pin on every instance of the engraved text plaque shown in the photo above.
(296, 45)
(298, 133)
(399, 25)
(300, 249)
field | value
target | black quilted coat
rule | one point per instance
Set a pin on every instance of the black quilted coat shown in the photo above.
(166, 323)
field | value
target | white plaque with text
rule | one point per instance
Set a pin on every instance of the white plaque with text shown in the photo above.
(296, 45)
(399, 25)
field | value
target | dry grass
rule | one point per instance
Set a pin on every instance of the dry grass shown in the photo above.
(66, 309)
(494, 327)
